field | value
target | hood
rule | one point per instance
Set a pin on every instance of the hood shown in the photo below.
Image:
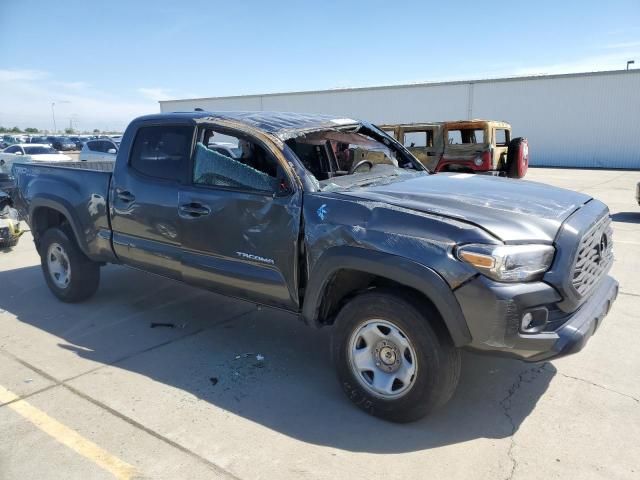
(512, 210)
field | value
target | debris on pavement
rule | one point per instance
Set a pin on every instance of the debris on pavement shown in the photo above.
(214, 380)
(160, 324)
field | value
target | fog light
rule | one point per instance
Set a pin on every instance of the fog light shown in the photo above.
(534, 321)
(478, 161)
(527, 318)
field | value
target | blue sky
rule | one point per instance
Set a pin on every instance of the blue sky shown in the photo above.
(103, 63)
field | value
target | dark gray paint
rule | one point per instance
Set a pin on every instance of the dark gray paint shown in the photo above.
(513, 210)
(405, 231)
(240, 223)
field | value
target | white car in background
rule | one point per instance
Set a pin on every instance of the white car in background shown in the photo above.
(99, 150)
(29, 152)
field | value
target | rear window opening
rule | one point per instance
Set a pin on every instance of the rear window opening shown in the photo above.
(418, 139)
(503, 137)
(465, 136)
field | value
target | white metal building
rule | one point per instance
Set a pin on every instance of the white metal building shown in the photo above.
(576, 120)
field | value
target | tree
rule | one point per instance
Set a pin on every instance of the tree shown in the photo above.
(31, 130)
(3, 130)
(15, 130)
(69, 131)
(95, 130)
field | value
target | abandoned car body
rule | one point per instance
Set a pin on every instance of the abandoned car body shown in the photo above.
(473, 146)
(407, 267)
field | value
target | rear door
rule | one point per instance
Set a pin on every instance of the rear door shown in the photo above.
(464, 144)
(423, 144)
(501, 139)
(240, 221)
(144, 198)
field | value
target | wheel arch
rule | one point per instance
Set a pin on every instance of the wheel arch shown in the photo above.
(49, 211)
(354, 270)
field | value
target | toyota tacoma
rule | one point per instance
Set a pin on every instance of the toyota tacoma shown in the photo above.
(406, 267)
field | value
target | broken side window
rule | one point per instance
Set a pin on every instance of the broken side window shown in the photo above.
(422, 138)
(465, 135)
(225, 160)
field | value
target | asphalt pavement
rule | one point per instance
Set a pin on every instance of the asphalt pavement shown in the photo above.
(220, 389)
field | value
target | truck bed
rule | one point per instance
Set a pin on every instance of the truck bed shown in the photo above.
(81, 192)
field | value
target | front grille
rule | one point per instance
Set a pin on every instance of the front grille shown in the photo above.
(594, 257)
(4, 233)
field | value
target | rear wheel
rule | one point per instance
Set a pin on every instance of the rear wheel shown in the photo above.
(69, 274)
(391, 362)
(518, 158)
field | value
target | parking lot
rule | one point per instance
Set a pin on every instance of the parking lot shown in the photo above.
(154, 379)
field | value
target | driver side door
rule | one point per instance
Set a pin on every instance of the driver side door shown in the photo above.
(239, 225)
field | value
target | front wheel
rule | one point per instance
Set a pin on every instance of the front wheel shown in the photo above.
(390, 359)
(69, 274)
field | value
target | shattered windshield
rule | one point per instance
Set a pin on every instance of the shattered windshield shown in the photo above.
(379, 175)
(353, 157)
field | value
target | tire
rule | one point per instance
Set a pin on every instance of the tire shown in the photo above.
(428, 352)
(83, 275)
(518, 158)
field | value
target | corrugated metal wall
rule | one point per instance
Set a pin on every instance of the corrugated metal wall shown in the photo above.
(575, 120)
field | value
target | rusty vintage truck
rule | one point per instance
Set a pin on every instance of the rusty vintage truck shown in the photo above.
(472, 146)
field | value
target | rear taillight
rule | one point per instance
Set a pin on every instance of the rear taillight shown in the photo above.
(483, 160)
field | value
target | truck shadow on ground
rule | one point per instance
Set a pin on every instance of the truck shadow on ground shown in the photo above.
(262, 365)
(626, 217)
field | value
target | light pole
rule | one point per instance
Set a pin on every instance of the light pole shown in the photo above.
(630, 62)
(53, 114)
(73, 119)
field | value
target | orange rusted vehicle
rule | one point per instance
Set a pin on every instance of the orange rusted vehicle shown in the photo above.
(472, 146)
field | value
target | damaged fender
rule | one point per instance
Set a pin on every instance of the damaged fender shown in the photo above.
(398, 269)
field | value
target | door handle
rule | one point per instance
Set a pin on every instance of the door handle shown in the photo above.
(191, 210)
(125, 196)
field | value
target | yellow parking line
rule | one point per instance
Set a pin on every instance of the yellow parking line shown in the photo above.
(67, 436)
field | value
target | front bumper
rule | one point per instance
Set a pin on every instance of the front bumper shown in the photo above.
(494, 312)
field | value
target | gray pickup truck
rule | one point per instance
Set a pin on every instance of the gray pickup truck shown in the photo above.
(406, 267)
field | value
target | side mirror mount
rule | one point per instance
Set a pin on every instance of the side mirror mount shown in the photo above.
(283, 189)
(112, 151)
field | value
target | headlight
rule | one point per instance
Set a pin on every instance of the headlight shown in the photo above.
(508, 263)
